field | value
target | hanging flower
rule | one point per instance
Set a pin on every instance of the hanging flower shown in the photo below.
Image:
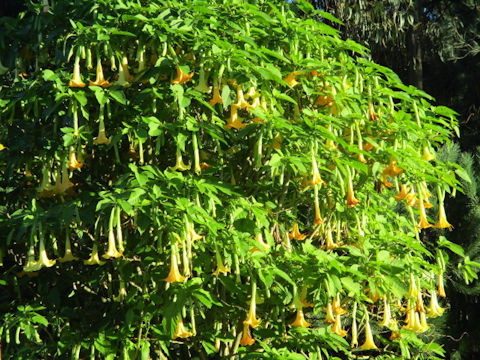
(174, 274)
(392, 169)
(251, 319)
(410, 318)
(318, 217)
(442, 218)
(290, 78)
(295, 233)
(76, 80)
(202, 85)
(316, 178)
(369, 343)
(337, 306)
(182, 78)
(427, 156)
(62, 182)
(94, 259)
(300, 320)
(100, 80)
(73, 163)
(337, 327)
(351, 200)
(441, 288)
(102, 137)
(387, 316)
(68, 256)
(329, 243)
(216, 99)
(354, 341)
(221, 268)
(434, 310)
(371, 112)
(403, 192)
(423, 224)
(329, 318)
(241, 102)
(234, 120)
(112, 252)
(124, 76)
(179, 164)
(261, 243)
(181, 332)
(246, 339)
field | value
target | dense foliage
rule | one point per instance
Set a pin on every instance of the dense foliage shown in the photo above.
(232, 179)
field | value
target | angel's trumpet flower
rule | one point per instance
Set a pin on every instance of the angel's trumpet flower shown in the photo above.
(295, 233)
(423, 322)
(124, 76)
(411, 198)
(337, 306)
(441, 287)
(423, 224)
(181, 76)
(76, 80)
(290, 78)
(403, 192)
(181, 332)
(174, 274)
(192, 234)
(62, 181)
(45, 189)
(351, 200)
(371, 112)
(434, 310)
(354, 341)
(420, 306)
(387, 315)
(68, 256)
(100, 80)
(261, 242)
(32, 265)
(221, 268)
(329, 243)
(73, 163)
(241, 102)
(337, 327)
(369, 343)
(112, 252)
(442, 218)
(329, 318)
(141, 60)
(246, 339)
(251, 319)
(318, 217)
(427, 156)
(392, 169)
(303, 298)
(316, 178)
(234, 121)
(94, 259)
(202, 82)
(216, 99)
(43, 259)
(179, 164)
(300, 319)
(102, 137)
(412, 287)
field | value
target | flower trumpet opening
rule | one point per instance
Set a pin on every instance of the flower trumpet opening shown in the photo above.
(100, 80)
(179, 164)
(300, 320)
(102, 137)
(251, 319)
(241, 102)
(392, 169)
(351, 200)
(216, 99)
(43, 258)
(387, 315)
(181, 332)
(403, 192)
(423, 223)
(290, 79)
(76, 80)
(68, 256)
(316, 178)
(234, 121)
(73, 163)
(426, 155)
(174, 274)
(337, 327)
(32, 265)
(441, 287)
(94, 259)
(295, 233)
(221, 268)
(329, 318)
(337, 307)
(442, 218)
(124, 76)
(434, 310)
(369, 343)
(202, 82)
(112, 252)
(182, 78)
(246, 339)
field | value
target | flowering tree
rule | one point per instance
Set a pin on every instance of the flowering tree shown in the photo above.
(215, 179)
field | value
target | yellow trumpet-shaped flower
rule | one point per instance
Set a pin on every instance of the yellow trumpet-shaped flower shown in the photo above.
(354, 341)
(43, 259)
(300, 319)
(62, 182)
(76, 80)
(387, 315)
(112, 252)
(318, 217)
(94, 259)
(73, 163)
(441, 287)
(369, 343)
(403, 192)
(241, 102)
(329, 318)
(100, 80)
(216, 99)
(68, 256)
(202, 85)
(295, 233)
(182, 78)
(411, 198)
(303, 298)
(179, 164)
(420, 306)
(234, 121)
(423, 322)
(371, 112)
(181, 332)
(124, 76)
(290, 78)
(434, 310)
(423, 224)
(246, 339)
(412, 287)
(102, 136)
(351, 200)
(45, 189)
(221, 268)
(337, 306)
(392, 169)
(261, 243)
(427, 156)
(329, 243)
(174, 274)
(442, 218)
(316, 178)
(32, 265)
(410, 318)
(337, 327)
(251, 319)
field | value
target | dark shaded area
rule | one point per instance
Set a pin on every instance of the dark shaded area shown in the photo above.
(11, 7)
